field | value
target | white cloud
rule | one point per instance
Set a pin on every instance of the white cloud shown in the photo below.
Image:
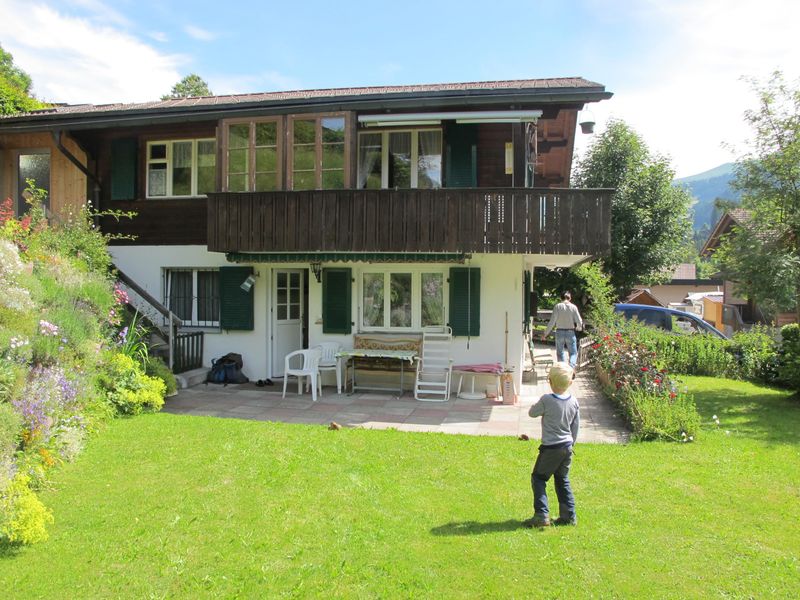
(158, 36)
(691, 99)
(78, 60)
(199, 33)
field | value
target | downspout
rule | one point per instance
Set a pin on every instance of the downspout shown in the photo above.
(56, 133)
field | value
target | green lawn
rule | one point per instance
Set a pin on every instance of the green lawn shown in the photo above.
(170, 506)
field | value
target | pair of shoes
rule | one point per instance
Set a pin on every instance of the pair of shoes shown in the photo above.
(537, 521)
(560, 521)
(260, 383)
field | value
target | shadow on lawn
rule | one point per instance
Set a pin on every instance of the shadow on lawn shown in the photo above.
(477, 528)
(768, 414)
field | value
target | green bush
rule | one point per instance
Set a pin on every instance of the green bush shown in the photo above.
(157, 368)
(789, 357)
(128, 388)
(23, 517)
(757, 354)
(658, 416)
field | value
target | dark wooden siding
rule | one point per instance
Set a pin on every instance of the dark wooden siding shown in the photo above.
(504, 220)
(160, 222)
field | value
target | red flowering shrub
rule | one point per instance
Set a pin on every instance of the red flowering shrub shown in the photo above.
(649, 397)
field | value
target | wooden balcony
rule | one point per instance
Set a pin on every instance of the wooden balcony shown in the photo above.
(512, 220)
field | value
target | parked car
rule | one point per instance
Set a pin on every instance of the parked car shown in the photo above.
(668, 319)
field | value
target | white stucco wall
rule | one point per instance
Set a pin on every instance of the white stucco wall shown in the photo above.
(501, 295)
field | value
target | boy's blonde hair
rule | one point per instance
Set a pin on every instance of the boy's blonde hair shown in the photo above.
(560, 377)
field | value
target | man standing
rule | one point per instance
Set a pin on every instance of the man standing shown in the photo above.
(566, 320)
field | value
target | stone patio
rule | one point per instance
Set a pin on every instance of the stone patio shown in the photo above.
(599, 423)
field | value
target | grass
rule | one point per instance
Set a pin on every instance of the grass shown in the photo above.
(171, 506)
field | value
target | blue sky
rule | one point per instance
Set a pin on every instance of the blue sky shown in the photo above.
(675, 66)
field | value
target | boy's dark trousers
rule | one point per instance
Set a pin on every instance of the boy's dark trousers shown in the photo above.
(553, 462)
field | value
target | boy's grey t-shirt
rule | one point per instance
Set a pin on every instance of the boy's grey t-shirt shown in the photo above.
(560, 418)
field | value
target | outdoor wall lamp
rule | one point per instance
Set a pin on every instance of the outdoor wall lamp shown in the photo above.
(316, 269)
(248, 283)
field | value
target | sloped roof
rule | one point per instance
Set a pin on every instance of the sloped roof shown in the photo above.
(567, 89)
(735, 217)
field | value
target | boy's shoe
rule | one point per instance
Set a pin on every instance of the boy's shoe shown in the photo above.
(559, 521)
(537, 521)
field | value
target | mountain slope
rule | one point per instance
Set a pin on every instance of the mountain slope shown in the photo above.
(707, 187)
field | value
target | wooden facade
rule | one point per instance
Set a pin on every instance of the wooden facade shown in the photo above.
(67, 184)
(505, 220)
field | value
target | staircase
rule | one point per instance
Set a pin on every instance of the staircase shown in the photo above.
(181, 351)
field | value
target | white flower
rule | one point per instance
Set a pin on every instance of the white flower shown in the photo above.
(691, 438)
(714, 417)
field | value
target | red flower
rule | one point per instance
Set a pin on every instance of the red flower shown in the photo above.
(645, 369)
(595, 346)
(605, 338)
(618, 384)
(656, 381)
(672, 394)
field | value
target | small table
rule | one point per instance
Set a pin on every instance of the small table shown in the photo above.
(490, 368)
(346, 355)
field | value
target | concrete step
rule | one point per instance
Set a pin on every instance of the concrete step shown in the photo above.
(191, 378)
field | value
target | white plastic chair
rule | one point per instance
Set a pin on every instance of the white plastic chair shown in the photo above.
(329, 362)
(310, 369)
(435, 367)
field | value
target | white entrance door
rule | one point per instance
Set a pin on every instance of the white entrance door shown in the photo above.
(287, 316)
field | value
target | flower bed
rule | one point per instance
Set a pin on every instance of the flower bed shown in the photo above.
(649, 398)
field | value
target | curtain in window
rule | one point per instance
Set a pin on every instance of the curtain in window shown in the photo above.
(179, 293)
(429, 160)
(208, 296)
(400, 159)
(369, 161)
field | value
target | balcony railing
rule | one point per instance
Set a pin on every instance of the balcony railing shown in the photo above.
(512, 220)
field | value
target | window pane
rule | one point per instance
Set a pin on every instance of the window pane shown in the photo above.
(266, 182)
(400, 159)
(373, 299)
(266, 160)
(333, 180)
(369, 161)
(266, 134)
(36, 167)
(206, 180)
(206, 166)
(157, 179)
(182, 169)
(237, 183)
(282, 280)
(179, 300)
(294, 280)
(305, 132)
(237, 161)
(281, 312)
(294, 296)
(304, 180)
(432, 299)
(208, 296)
(333, 156)
(400, 299)
(281, 296)
(304, 157)
(333, 130)
(158, 151)
(238, 136)
(294, 311)
(429, 162)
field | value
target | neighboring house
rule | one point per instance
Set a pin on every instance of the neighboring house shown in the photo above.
(643, 296)
(748, 312)
(382, 209)
(683, 282)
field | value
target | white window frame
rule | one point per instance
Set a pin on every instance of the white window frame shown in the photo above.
(416, 295)
(194, 322)
(168, 161)
(385, 152)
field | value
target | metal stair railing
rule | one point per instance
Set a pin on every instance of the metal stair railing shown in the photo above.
(151, 304)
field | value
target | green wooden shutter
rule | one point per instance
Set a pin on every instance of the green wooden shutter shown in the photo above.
(336, 301)
(465, 301)
(123, 169)
(236, 305)
(461, 167)
(526, 290)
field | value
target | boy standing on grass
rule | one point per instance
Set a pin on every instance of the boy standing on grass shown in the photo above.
(560, 420)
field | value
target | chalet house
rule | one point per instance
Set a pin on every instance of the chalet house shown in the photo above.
(276, 221)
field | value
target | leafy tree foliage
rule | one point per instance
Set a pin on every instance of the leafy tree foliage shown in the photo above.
(191, 86)
(650, 222)
(762, 256)
(15, 87)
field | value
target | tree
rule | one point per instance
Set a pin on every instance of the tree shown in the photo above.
(650, 221)
(762, 256)
(15, 87)
(190, 86)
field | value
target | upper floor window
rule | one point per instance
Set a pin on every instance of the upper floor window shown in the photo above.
(253, 155)
(400, 159)
(318, 152)
(177, 168)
